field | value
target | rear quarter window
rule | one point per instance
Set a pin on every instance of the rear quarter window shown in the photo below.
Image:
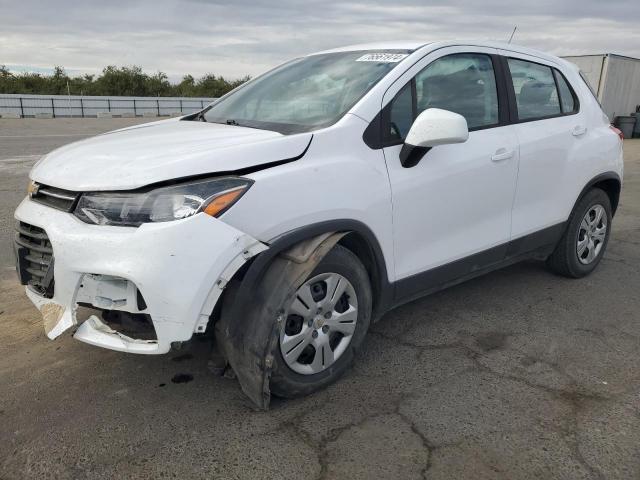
(586, 82)
(568, 98)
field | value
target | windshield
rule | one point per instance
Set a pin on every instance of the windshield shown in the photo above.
(306, 93)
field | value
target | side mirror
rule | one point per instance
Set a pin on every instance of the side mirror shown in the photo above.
(432, 127)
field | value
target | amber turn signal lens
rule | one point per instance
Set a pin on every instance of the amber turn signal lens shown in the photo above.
(223, 201)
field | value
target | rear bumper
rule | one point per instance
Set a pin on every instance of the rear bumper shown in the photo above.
(180, 269)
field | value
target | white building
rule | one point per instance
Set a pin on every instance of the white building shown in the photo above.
(614, 78)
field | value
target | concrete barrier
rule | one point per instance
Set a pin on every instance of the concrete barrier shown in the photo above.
(104, 115)
(127, 115)
(44, 115)
(10, 115)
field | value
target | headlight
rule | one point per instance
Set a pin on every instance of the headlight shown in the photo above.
(212, 197)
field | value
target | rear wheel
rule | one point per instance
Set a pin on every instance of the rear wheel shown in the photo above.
(324, 325)
(583, 244)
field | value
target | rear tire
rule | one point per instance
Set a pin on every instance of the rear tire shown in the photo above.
(584, 241)
(343, 324)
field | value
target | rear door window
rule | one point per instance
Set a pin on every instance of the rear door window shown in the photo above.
(535, 88)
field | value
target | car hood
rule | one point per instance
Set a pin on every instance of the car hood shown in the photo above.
(144, 154)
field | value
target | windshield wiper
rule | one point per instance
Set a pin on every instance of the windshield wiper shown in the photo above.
(229, 121)
(246, 124)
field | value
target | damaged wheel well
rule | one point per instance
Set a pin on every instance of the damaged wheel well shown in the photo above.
(249, 314)
(358, 238)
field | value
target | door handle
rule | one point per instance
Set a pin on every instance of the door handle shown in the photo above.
(578, 130)
(502, 154)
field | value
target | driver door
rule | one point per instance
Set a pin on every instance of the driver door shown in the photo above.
(452, 211)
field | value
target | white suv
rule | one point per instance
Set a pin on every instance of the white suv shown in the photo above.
(291, 213)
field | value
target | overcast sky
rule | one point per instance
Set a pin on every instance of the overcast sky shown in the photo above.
(238, 37)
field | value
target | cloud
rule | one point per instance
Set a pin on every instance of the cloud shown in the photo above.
(248, 37)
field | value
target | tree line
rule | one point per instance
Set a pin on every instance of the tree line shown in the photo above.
(116, 81)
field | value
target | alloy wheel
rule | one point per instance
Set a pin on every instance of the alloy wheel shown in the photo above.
(591, 234)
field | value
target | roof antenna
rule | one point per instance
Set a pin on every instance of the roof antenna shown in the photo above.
(512, 34)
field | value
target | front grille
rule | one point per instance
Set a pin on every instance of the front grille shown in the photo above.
(34, 257)
(55, 197)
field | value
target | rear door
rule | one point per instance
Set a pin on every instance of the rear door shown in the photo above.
(550, 128)
(456, 202)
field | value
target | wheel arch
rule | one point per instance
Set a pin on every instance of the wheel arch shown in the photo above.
(358, 238)
(372, 258)
(246, 330)
(610, 183)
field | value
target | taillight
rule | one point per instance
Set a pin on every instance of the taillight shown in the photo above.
(618, 132)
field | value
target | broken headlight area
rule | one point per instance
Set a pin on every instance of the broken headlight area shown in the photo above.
(213, 197)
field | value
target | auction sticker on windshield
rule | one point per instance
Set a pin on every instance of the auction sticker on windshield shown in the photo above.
(382, 57)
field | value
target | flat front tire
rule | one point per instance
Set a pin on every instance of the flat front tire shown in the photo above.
(324, 325)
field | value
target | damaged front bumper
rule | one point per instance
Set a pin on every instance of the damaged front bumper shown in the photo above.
(173, 272)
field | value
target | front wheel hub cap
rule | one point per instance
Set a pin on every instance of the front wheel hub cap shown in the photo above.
(314, 344)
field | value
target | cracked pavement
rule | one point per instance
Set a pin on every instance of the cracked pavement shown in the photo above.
(518, 374)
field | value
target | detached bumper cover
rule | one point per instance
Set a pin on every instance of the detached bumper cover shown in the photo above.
(179, 267)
